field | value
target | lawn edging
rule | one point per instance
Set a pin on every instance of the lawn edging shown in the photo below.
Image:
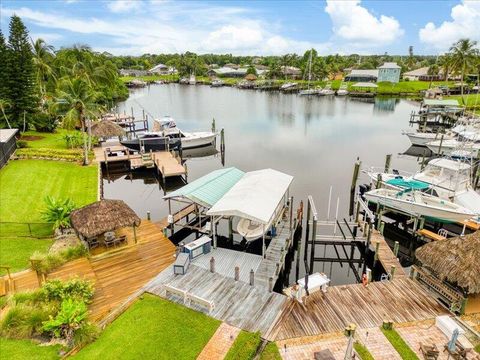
(405, 352)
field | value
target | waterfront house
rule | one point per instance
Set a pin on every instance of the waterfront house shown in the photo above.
(162, 69)
(450, 269)
(228, 72)
(362, 75)
(422, 75)
(291, 72)
(390, 72)
(8, 145)
(132, 72)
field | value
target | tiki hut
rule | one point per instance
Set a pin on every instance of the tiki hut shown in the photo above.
(106, 129)
(456, 261)
(93, 221)
(250, 77)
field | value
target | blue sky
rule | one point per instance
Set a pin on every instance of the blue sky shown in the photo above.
(249, 27)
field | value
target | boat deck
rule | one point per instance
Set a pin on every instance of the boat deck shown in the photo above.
(252, 308)
(400, 300)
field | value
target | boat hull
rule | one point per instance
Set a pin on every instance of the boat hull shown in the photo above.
(421, 139)
(249, 230)
(154, 144)
(198, 140)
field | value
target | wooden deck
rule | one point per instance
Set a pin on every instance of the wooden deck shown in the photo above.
(251, 308)
(401, 300)
(168, 165)
(179, 215)
(117, 274)
(386, 255)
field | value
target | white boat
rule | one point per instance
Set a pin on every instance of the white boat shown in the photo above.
(422, 138)
(192, 80)
(307, 92)
(448, 179)
(419, 204)
(447, 147)
(251, 230)
(189, 140)
(342, 91)
(327, 90)
(217, 83)
(288, 86)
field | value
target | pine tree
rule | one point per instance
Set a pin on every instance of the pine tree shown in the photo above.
(20, 75)
(3, 65)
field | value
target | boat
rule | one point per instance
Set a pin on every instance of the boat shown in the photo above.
(448, 179)
(422, 138)
(447, 147)
(151, 141)
(327, 90)
(251, 230)
(184, 81)
(342, 91)
(288, 86)
(192, 80)
(189, 140)
(308, 91)
(419, 204)
(217, 83)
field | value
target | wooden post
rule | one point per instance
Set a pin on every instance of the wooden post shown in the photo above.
(356, 171)
(213, 125)
(277, 268)
(135, 233)
(212, 264)
(377, 249)
(252, 277)
(237, 273)
(379, 181)
(230, 229)
(270, 284)
(263, 241)
(312, 250)
(392, 272)
(440, 147)
(222, 139)
(148, 215)
(395, 248)
(307, 230)
(382, 226)
(388, 159)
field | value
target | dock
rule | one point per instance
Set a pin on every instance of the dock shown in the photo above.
(166, 162)
(385, 255)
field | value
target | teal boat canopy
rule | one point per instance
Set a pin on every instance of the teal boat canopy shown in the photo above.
(208, 189)
(408, 184)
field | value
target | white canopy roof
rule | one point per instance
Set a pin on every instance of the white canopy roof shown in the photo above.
(255, 196)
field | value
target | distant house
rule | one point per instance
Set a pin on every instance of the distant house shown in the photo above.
(390, 72)
(422, 75)
(362, 75)
(229, 72)
(291, 72)
(8, 144)
(162, 69)
(132, 72)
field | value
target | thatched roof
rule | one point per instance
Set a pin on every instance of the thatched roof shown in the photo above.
(251, 77)
(106, 128)
(102, 216)
(456, 260)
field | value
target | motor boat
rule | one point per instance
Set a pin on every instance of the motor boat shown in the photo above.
(192, 80)
(419, 204)
(152, 141)
(310, 92)
(217, 83)
(342, 91)
(288, 86)
(447, 147)
(422, 138)
(327, 90)
(448, 179)
(189, 140)
(251, 230)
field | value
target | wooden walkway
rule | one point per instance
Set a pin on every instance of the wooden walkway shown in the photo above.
(168, 165)
(219, 344)
(179, 215)
(251, 308)
(386, 256)
(401, 300)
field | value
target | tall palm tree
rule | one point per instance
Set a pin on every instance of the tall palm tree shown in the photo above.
(445, 63)
(3, 105)
(464, 54)
(76, 99)
(42, 58)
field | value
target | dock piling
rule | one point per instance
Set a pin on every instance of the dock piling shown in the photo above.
(148, 215)
(356, 171)
(388, 159)
(395, 248)
(212, 265)
(252, 277)
(237, 273)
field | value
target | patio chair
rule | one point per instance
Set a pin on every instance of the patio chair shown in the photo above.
(109, 242)
(93, 243)
(120, 240)
(429, 352)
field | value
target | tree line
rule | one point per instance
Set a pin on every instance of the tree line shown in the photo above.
(42, 87)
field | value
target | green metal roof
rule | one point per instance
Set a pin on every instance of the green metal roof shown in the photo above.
(210, 188)
(438, 102)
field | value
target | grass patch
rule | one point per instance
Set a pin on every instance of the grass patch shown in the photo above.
(244, 347)
(15, 252)
(44, 140)
(470, 101)
(153, 328)
(27, 349)
(151, 78)
(400, 345)
(270, 352)
(362, 351)
(477, 348)
(53, 154)
(46, 263)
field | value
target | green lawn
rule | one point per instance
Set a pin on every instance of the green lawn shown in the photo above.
(270, 352)
(468, 100)
(47, 140)
(153, 328)
(362, 351)
(151, 78)
(244, 347)
(26, 349)
(15, 252)
(406, 353)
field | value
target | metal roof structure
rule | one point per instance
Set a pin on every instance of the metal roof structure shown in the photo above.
(208, 189)
(438, 102)
(6, 134)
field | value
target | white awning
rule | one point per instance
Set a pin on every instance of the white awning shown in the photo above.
(255, 196)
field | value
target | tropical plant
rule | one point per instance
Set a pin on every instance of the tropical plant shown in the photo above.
(70, 318)
(58, 212)
(78, 289)
(445, 64)
(3, 105)
(42, 58)
(464, 55)
(47, 262)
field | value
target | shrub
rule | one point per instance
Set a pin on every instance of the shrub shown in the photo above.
(53, 154)
(73, 140)
(76, 288)
(86, 334)
(45, 263)
(23, 321)
(58, 212)
(399, 344)
(44, 122)
(22, 144)
(29, 297)
(270, 352)
(70, 318)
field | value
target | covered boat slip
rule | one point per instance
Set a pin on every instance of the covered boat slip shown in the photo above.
(258, 196)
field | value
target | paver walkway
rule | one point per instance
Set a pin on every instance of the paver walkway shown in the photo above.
(428, 334)
(305, 348)
(377, 344)
(219, 344)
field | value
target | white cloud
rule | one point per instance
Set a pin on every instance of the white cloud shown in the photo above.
(120, 6)
(47, 37)
(465, 23)
(354, 23)
(235, 37)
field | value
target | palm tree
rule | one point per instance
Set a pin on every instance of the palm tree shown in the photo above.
(464, 54)
(445, 63)
(42, 59)
(77, 101)
(3, 105)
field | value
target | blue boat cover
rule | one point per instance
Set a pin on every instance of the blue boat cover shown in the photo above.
(408, 184)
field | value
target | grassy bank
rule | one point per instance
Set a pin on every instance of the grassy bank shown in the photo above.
(27, 349)
(16, 251)
(153, 328)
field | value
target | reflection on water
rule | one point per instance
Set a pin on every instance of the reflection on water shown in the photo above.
(315, 139)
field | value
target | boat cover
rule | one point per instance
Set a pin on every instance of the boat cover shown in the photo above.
(408, 184)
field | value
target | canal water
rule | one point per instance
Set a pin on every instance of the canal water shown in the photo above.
(314, 139)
